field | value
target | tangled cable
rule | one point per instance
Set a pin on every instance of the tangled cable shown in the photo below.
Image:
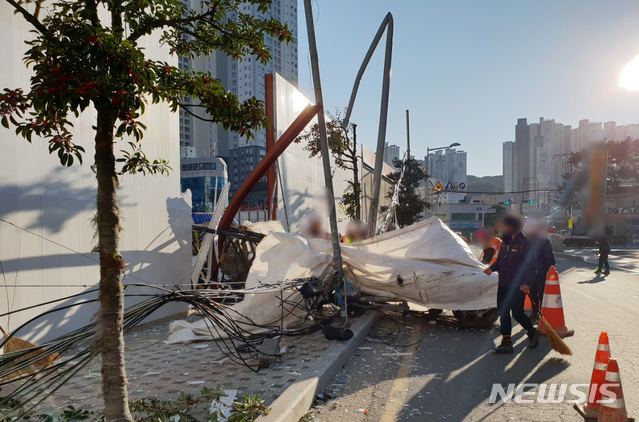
(38, 371)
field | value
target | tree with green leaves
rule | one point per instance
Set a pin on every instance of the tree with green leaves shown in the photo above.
(411, 205)
(87, 55)
(342, 142)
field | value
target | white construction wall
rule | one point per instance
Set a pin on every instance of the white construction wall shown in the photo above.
(46, 234)
(302, 177)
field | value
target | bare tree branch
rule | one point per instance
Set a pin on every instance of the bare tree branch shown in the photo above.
(36, 14)
(184, 108)
(32, 19)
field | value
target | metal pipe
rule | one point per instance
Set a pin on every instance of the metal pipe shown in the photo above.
(270, 142)
(321, 120)
(258, 172)
(362, 69)
(381, 133)
(281, 185)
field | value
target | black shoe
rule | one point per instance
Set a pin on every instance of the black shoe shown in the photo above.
(607, 272)
(506, 347)
(533, 338)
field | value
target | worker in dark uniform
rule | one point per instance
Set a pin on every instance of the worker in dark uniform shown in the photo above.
(603, 252)
(536, 232)
(516, 266)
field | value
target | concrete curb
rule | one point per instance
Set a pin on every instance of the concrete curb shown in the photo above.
(295, 401)
(581, 258)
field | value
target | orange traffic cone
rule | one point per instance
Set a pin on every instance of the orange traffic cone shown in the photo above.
(552, 308)
(613, 407)
(591, 408)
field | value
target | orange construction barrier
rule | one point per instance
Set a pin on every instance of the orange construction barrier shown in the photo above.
(615, 410)
(552, 307)
(591, 408)
(528, 303)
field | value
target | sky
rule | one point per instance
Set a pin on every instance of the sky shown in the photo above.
(468, 69)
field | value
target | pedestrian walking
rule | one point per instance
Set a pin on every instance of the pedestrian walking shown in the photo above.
(603, 252)
(536, 232)
(516, 265)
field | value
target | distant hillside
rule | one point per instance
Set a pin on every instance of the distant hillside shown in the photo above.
(485, 184)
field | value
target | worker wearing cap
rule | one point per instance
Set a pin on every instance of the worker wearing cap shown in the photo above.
(516, 265)
(490, 245)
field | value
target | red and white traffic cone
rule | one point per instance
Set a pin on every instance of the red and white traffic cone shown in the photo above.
(552, 307)
(590, 409)
(613, 407)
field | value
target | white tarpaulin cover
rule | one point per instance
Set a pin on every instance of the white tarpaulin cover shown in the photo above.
(425, 263)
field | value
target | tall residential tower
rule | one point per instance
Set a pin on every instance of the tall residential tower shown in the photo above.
(246, 80)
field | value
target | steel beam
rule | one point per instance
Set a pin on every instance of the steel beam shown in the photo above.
(387, 24)
(267, 162)
(270, 142)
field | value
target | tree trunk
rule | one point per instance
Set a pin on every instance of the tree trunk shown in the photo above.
(356, 185)
(109, 337)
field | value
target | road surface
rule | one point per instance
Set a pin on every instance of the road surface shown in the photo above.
(447, 374)
(621, 257)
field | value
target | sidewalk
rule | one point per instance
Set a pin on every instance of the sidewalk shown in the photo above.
(156, 369)
(625, 258)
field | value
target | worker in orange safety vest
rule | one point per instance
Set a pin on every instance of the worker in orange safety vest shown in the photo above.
(490, 245)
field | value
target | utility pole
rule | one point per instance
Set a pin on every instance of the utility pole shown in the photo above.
(321, 121)
(408, 133)
(358, 206)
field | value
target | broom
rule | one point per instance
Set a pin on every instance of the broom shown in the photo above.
(556, 342)
(15, 344)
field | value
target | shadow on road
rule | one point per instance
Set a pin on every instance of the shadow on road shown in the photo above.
(596, 279)
(465, 376)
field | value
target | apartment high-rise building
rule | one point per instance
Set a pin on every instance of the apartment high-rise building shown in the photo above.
(585, 135)
(507, 165)
(208, 139)
(550, 145)
(447, 165)
(246, 80)
(612, 132)
(531, 163)
(521, 153)
(392, 152)
(535, 165)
